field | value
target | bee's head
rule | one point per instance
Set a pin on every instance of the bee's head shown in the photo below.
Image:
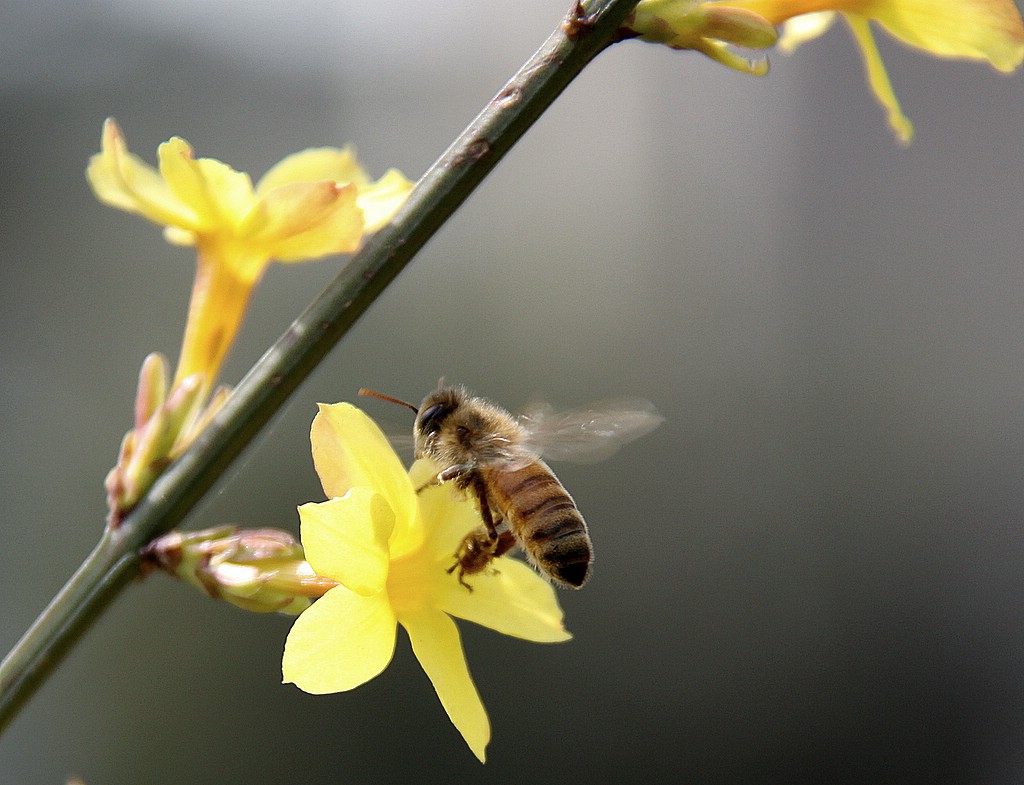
(435, 411)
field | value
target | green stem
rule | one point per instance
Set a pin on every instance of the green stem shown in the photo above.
(96, 582)
(287, 363)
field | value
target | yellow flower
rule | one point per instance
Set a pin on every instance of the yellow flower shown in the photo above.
(704, 27)
(390, 548)
(968, 29)
(311, 204)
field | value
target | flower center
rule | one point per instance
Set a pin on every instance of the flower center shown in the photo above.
(412, 579)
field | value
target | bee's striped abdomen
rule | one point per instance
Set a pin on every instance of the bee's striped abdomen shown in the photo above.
(545, 520)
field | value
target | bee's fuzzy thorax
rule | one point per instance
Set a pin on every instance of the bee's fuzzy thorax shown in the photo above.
(456, 428)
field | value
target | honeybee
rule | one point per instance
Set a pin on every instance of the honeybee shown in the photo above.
(496, 457)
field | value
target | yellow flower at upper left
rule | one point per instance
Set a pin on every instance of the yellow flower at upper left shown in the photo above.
(311, 204)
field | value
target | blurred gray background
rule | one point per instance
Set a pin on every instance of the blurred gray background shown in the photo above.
(812, 572)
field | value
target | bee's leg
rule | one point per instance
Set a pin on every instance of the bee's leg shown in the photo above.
(485, 509)
(469, 554)
(462, 574)
(477, 550)
(462, 578)
(506, 541)
(474, 552)
(451, 473)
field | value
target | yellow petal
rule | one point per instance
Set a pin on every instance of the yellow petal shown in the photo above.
(448, 513)
(778, 11)
(313, 165)
(344, 235)
(301, 221)
(349, 450)
(720, 53)
(436, 644)
(346, 539)
(176, 236)
(511, 598)
(380, 200)
(219, 195)
(341, 641)
(878, 79)
(423, 472)
(801, 29)
(973, 29)
(126, 182)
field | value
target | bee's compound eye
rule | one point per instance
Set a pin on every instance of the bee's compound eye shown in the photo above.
(430, 419)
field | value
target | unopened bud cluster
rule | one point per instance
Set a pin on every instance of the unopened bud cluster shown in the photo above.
(166, 422)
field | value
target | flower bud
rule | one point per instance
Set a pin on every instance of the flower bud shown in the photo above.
(705, 27)
(259, 570)
(165, 425)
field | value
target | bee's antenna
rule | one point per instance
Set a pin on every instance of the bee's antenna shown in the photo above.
(383, 397)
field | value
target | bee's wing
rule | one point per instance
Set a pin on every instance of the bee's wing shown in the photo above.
(588, 434)
(404, 444)
(401, 440)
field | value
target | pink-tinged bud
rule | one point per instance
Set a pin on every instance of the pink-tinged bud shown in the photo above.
(152, 390)
(165, 425)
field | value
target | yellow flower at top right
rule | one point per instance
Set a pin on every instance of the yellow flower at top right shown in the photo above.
(989, 30)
